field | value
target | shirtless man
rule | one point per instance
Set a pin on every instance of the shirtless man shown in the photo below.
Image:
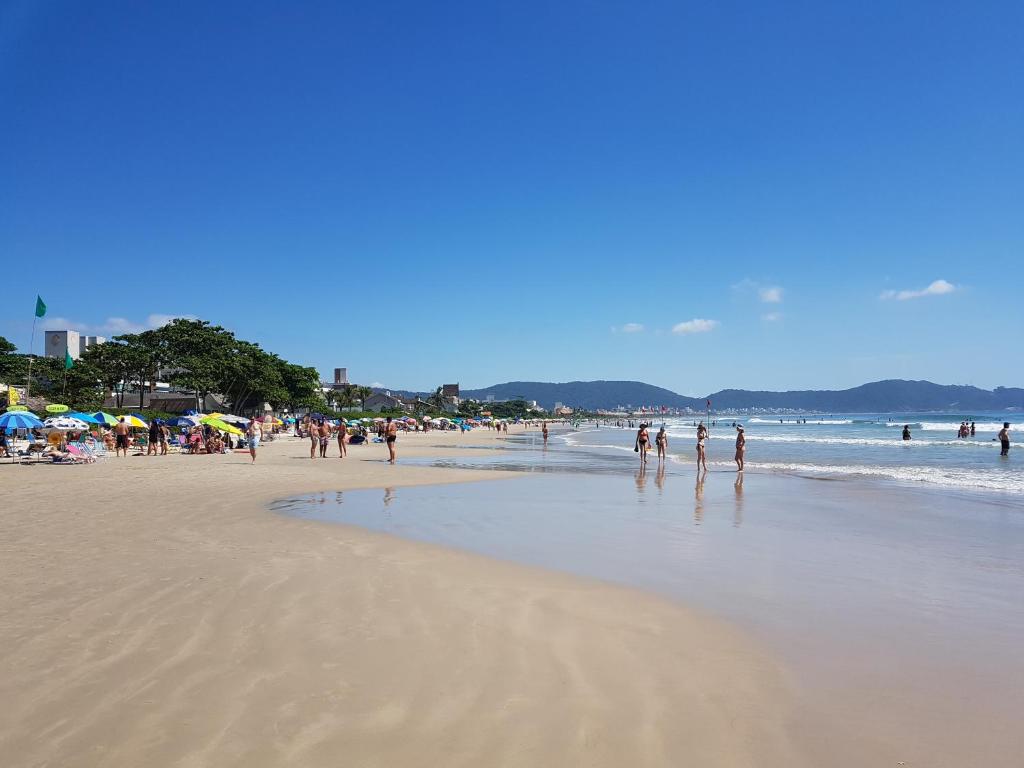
(314, 438)
(702, 435)
(325, 437)
(391, 437)
(741, 447)
(643, 440)
(661, 440)
(1004, 439)
(121, 436)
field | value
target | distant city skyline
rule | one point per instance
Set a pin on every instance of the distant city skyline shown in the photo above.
(787, 197)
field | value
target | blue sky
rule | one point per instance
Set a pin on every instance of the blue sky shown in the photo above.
(698, 195)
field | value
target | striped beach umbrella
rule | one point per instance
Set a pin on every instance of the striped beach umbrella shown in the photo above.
(20, 420)
(105, 418)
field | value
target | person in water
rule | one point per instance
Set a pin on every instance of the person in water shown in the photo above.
(661, 441)
(1004, 439)
(741, 447)
(906, 431)
(642, 441)
(702, 435)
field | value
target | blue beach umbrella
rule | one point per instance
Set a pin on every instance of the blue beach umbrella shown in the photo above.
(20, 420)
(88, 418)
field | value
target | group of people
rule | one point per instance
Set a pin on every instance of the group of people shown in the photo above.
(965, 430)
(643, 442)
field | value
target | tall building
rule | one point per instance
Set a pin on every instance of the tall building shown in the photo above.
(57, 343)
(341, 376)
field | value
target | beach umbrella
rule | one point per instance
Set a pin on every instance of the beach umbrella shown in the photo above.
(184, 421)
(20, 420)
(88, 418)
(230, 418)
(132, 421)
(65, 424)
(223, 426)
(316, 415)
(105, 418)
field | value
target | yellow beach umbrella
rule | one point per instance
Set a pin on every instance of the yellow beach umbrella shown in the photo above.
(223, 426)
(133, 421)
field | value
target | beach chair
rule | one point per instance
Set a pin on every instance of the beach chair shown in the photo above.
(78, 452)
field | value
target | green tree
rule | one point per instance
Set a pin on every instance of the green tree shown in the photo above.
(198, 354)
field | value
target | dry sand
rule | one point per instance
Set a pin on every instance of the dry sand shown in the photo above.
(154, 613)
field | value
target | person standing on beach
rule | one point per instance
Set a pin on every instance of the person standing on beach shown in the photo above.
(342, 438)
(643, 439)
(972, 429)
(154, 437)
(325, 437)
(253, 436)
(741, 447)
(661, 440)
(544, 432)
(391, 437)
(702, 435)
(121, 435)
(1004, 439)
(314, 438)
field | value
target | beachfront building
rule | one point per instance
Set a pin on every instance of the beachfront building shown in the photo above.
(384, 401)
(60, 343)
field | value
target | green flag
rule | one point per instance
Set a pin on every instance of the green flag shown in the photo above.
(40, 307)
(68, 362)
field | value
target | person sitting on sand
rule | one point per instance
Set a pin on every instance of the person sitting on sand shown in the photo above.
(3, 443)
(741, 447)
(661, 441)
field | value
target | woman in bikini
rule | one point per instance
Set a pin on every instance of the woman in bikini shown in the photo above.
(342, 438)
(702, 435)
(661, 440)
(642, 441)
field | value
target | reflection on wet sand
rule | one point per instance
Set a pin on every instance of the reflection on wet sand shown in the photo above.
(737, 515)
(659, 478)
(698, 493)
(389, 496)
(641, 480)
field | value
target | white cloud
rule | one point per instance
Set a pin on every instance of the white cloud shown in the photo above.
(112, 326)
(377, 385)
(629, 328)
(937, 288)
(697, 325)
(770, 294)
(772, 317)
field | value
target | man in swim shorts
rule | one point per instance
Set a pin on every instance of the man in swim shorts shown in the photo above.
(121, 435)
(391, 437)
(1004, 439)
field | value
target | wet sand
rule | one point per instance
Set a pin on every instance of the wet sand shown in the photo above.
(896, 609)
(154, 613)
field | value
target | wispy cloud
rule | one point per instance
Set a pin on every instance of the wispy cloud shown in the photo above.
(697, 325)
(766, 292)
(937, 288)
(772, 317)
(770, 294)
(628, 328)
(112, 326)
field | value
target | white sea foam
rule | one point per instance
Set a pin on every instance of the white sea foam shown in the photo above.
(947, 476)
(759, 420)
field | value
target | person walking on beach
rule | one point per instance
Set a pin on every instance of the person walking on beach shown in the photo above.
(702, 435)
(544, 432)
(1004, 439)
(661, 441)
(121, 436)
(741, 447)
(391, 437)
(643, 439)
(906, 431)
(342, 439)
(253, 436)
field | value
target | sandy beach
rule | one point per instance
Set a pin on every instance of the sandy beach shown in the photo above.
(155, 613)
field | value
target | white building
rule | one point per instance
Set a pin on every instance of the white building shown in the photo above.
(57, 343)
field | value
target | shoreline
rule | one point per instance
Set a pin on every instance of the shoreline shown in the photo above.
(154, 619)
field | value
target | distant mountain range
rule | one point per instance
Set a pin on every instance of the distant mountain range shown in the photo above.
(893, 395)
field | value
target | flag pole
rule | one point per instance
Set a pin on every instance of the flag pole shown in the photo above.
(32, 342)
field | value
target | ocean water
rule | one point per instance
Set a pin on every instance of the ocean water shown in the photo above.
(841, 445)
